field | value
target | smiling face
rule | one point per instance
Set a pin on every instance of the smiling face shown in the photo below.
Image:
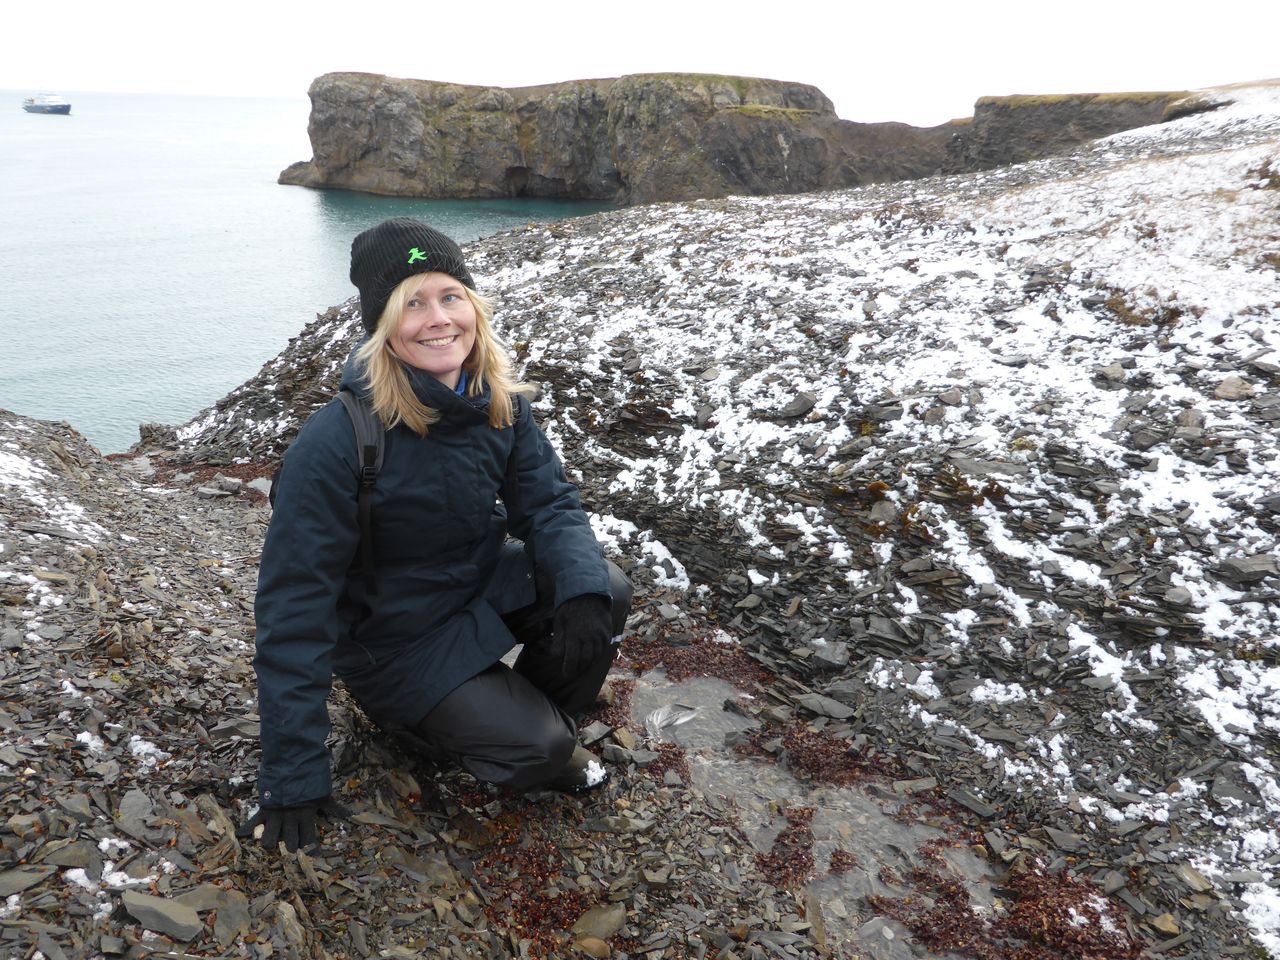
(437, 329)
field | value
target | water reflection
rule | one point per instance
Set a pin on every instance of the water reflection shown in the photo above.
(344, 213)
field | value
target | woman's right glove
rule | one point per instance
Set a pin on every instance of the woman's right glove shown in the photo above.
(581, 630)
(294, 825)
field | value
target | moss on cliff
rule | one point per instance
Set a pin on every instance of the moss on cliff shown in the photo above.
(1019, 101)
(767, 111)
(740, 85)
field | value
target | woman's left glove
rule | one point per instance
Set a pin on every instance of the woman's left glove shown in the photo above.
(581, 630)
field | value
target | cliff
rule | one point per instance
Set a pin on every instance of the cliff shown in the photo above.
(652, 137)
(1018, 128)
(635, 139)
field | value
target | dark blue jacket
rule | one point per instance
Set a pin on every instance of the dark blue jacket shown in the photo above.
(438, 530)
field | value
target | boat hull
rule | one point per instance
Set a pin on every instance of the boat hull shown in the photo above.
(59, 108)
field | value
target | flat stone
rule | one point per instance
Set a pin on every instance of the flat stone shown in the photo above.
(232, 919)
(1192, 877)
(169, 917)
(1064, 839)
(1166, 924)
(620, 825)
(1249, 569)
(1224, 789)
(23, 878)
(622, 756)
(625, 738)
(883, 511)
(77, 805)
(135, 808)
(602, 922)
(1011, 359)
(83, 854)
(1234, 387)
(1244, 876)
(204, 897)
(28, 826)
(1190, 418)
(972, 803)
(798, 407)
(824, 706)
(914, 786)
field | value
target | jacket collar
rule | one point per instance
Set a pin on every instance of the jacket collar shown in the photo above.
(453, 408)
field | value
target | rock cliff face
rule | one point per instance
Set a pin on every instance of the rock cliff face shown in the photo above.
(653, 137)
(635, 139)
(1019, 128)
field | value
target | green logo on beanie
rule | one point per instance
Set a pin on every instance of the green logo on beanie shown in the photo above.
(415, 255)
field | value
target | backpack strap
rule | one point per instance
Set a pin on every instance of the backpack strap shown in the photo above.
(370, 445)
(511, 482)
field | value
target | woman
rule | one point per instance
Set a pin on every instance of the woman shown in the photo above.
(417, 639)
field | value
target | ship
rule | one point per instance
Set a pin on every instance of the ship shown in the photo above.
(46, 103)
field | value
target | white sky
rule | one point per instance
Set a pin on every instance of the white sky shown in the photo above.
(920, 62)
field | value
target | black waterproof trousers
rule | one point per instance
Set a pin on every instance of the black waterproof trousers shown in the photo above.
(516, 727)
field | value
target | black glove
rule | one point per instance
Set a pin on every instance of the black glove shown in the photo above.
(295, 825)
(581, 629)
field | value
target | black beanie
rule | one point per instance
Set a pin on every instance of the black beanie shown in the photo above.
(393, 251)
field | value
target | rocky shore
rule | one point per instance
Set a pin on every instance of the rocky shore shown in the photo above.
(952, 509)
(652, 137)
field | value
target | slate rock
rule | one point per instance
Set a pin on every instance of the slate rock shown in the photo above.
(824, 706)
(135, 809)
(1192, 877)
(1248, 569)
(232, 919)
(601, 922)
(968, 800)
(1228, 791)
(1234, 387)
(23, 878)
(169, 917)
(798, 407)
(1065, 840)
(1112, 372)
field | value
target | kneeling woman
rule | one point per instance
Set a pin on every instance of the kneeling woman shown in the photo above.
(417, 638)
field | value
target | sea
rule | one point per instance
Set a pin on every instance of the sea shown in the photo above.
(149, 261)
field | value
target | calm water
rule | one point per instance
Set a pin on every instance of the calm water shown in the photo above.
(149, 262)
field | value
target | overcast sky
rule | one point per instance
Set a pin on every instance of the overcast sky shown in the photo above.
(920, 62)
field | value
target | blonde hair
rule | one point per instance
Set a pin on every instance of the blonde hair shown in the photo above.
(488, 363)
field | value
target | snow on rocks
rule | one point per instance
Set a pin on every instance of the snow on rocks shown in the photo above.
(1008, 430)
